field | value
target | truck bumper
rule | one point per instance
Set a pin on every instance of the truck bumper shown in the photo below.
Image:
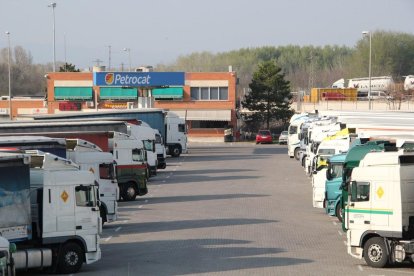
(92, 257)
(354, 251)
(330, 208)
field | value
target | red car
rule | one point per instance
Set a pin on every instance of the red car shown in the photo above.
(264, 136)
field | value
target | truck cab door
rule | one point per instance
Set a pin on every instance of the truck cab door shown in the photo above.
(359, 205)
(87, 215)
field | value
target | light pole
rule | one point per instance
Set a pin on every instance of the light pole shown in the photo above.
(53, 6)
(369, 67)
(8, 58)
(129, 57)
(109, 58)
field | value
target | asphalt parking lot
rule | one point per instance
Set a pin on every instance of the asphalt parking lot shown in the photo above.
(228, 209)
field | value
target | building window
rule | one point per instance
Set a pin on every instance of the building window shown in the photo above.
(195, 93)
(204, 93)
(214, 93)
(209, 93)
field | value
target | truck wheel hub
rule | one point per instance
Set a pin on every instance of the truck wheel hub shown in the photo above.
(71, 258)
(375, 253)
(131, 191)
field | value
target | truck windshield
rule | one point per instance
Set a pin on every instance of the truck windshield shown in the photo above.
(106, 171)
(335, 170)
(293, 129)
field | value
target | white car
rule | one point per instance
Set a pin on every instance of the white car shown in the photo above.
(283, 137)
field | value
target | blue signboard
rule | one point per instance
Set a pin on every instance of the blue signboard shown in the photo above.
(138, 79)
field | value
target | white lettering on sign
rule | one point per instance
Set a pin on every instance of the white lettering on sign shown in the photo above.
(132, 80)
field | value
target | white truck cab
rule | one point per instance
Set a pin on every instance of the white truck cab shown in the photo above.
(91, 158)
(176, 135)
(379, 215)
(64, 216)
(147, 136)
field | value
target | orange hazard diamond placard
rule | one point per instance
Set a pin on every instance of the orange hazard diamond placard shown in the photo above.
(64, 196)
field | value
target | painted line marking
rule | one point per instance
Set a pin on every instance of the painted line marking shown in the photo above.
(117, 229)
(108, 238)
(360, 268)
(340, 233)
(168, 176)
(164, 181)
(140, 206)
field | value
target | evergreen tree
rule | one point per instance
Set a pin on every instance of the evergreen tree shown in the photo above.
(270, 97)
(68, 67)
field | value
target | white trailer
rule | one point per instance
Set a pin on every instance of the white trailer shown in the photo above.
(409, 83)
(384, 83)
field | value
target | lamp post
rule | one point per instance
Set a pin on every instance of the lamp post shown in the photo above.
(8, 58)
(129, 57)
(369, 67)
(53, 6)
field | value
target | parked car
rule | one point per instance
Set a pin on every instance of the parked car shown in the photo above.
(264, 136)
(283, 137)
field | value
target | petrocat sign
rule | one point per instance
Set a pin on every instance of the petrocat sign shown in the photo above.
(136, 79)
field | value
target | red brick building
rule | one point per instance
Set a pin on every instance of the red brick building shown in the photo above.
(207, 100)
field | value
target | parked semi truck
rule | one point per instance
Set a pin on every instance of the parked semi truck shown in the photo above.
(333, 192)
(171, 127)
(91, 158)
(49, 210)
(380, 209)
(355, 154)
(88, 156)
(331, 145)
(293, 142)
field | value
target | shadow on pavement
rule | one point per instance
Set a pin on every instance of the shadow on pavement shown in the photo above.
(192, 256)
(127, 206)
(160, 226)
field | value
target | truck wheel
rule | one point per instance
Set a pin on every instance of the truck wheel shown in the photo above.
(129, 192)
(70, 258)
(375, 252)
(296, 153)
(175, 151)
(338, 211)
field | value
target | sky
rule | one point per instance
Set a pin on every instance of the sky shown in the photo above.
(159, 31)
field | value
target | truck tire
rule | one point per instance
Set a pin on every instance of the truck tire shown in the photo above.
(175, 151)
(129, 192)
(376, 252)
(338, 211)
(70, 258)
(296, 153)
